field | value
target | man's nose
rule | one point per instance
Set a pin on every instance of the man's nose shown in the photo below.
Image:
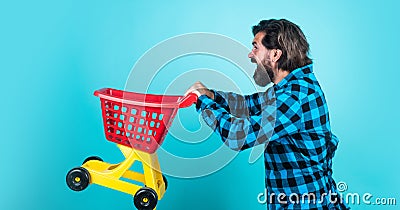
(252, 57)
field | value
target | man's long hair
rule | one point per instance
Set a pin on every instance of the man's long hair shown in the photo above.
(287, 37)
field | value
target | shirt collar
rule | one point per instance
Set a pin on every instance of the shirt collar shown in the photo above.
(295, 74)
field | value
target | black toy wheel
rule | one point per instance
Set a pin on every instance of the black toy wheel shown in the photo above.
(92, 158)
(165, 181)
(145, 199)
(78, 179)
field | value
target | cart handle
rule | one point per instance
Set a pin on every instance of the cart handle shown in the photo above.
(188, 100)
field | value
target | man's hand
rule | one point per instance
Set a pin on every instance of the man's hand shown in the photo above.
(199, 89)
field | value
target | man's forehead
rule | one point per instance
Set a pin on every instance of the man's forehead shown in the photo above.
(258, 37)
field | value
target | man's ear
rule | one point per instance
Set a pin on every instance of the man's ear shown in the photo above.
(276, 54)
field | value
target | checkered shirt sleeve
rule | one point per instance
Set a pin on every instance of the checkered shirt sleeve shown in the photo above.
(238, 119)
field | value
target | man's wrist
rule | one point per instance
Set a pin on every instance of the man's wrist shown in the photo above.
(207, 92)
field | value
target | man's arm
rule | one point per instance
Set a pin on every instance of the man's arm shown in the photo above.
(239, 105)
(271, 123)
(236, 104)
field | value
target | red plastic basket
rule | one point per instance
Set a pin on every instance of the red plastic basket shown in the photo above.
(140, 121)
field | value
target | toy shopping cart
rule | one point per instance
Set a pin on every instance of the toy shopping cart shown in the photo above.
(138, 123)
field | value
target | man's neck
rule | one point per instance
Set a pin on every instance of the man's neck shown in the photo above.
(279, 75)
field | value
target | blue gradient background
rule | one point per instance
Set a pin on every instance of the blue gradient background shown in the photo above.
(54, 54)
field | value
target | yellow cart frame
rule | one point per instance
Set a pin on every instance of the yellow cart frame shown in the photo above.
(95, 171)
(109, 175)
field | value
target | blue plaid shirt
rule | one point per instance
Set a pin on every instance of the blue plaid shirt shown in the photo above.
(292, 119)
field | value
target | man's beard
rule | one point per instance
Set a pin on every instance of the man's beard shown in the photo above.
(263, 75)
